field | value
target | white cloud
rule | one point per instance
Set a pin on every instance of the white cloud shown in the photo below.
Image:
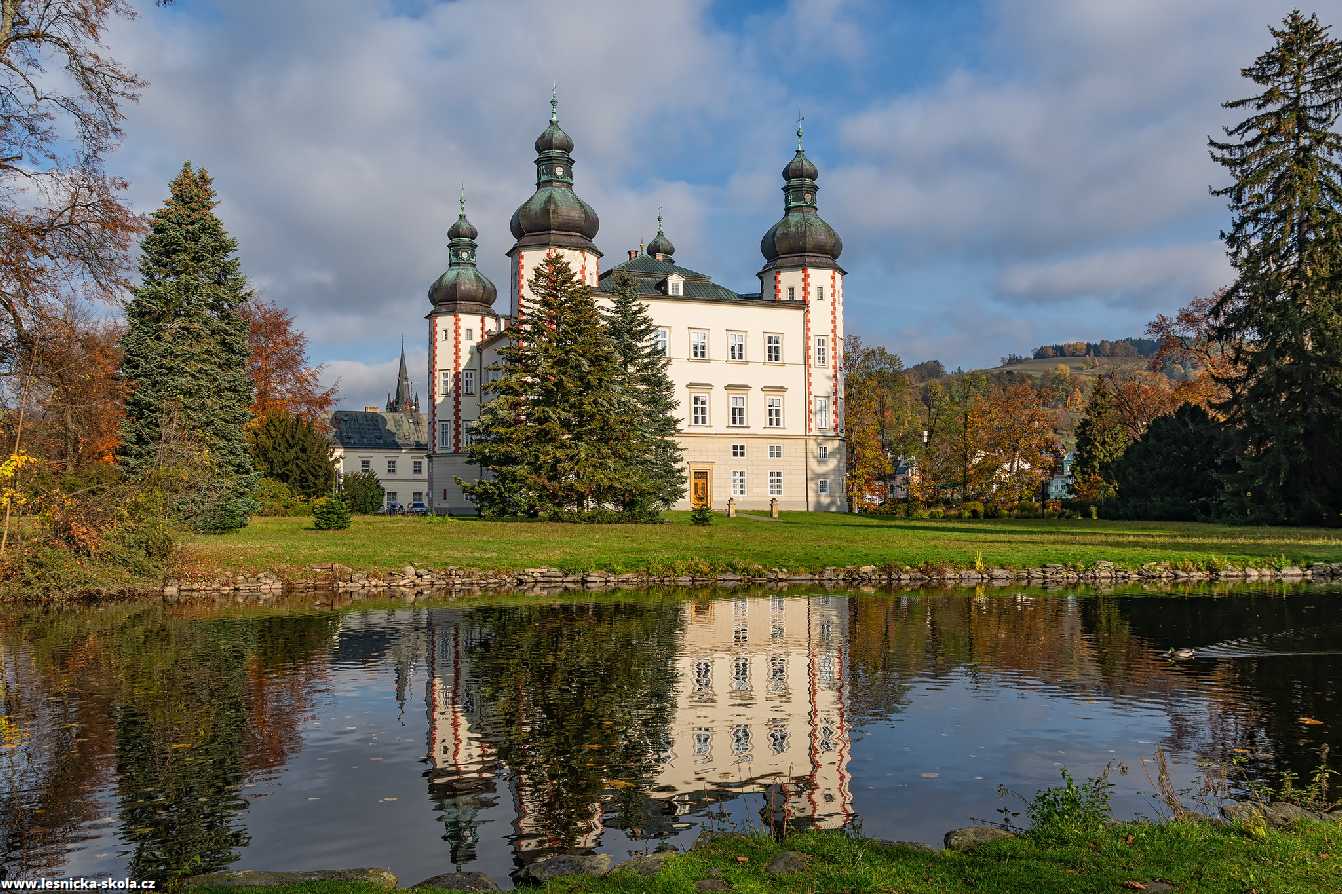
(1139, 278)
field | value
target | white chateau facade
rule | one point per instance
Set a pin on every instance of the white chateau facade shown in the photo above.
(757, 375)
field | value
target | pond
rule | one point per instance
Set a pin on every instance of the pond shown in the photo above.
(155, 741)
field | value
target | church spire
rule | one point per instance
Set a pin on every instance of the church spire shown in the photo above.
(404, 401)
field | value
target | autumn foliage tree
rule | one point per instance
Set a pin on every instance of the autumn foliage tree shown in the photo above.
(65, 230)
(283, 379)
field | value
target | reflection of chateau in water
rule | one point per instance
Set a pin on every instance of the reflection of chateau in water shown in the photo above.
(758, 706)
(760, 701)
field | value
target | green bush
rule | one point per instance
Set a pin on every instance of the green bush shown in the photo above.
(363, 492)
(972, 509)
(1071, 811)
(701, 515)
(330, 514)
(936, 512)
(278, 499)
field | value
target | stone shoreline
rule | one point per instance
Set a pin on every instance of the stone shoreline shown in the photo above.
(463, 581)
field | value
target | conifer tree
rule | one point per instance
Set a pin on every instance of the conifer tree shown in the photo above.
(551, 434)
(1100, 442)
(1282, 316)
(294, 451)
(651, 453)
(185, 360)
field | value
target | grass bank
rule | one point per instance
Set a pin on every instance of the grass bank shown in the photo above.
(796, 541)
(1177, 856)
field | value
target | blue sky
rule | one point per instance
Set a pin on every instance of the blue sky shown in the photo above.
(1004, 173)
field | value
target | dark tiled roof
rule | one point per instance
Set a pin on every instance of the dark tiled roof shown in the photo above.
(650, 276)
(354, 429)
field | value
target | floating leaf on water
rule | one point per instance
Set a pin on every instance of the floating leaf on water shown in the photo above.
(930, 775)
(1310, 721)
(391, 799)
(179, 745)
(619, 783)
(1240, 750)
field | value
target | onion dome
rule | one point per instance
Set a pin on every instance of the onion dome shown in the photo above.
(802, 236)
(554, 215)
(660, 245)
(462, 283)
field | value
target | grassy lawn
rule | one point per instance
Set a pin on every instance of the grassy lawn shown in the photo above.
(1185, 856)
(797, 541)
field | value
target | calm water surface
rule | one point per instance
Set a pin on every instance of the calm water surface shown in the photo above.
(158, 742)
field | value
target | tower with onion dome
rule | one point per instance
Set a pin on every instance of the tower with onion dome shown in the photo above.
(461, 320)
(553, 219)
(801, 255)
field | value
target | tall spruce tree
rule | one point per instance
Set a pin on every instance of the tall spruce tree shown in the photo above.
(1100, 442)
(551, 435)
(1283, 314)
(185, 357)
(648, 400)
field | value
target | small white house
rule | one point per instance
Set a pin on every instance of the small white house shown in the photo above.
(390, 443)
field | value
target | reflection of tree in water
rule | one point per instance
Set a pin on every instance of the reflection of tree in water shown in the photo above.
(1260, 698)
(180, 708)
(577, 700)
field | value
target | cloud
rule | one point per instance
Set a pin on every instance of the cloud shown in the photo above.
(1139, 278)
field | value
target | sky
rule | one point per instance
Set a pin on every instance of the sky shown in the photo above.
(1004, 173)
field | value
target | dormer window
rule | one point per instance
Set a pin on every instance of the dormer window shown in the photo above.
(675, 285)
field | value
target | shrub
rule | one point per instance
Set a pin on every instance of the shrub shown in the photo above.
(701, 515)
(972, 509)
(936, 512)
(1027, 509)
(330, 514)
(363, 492)
(1069, 811)
(994, 510)
(278, 499)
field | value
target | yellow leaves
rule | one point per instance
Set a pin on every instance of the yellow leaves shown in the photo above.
(12, 734)
(1310, 721)
(178, 746)
(619, 784)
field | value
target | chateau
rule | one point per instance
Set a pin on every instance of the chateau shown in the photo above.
(757, 374)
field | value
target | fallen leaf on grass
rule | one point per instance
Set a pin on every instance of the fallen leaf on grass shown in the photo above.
(1129, 840)
(1134, 886)
(743, 859)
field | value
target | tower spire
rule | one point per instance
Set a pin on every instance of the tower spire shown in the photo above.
(554, 103)
(461, 202)
(800, 119)
(404, 401)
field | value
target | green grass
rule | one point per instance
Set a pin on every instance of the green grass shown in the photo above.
(1193, 857)
(797, 541)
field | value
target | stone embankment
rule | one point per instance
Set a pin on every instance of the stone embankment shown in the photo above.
(411, 579)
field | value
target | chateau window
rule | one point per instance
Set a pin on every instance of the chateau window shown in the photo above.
(470, 335)
(738, 451)
(822, 486)
(468, 381)
(821, 350)
(660, 339)
(698, 344)
(445, 435)
(775, 451)
(741, 674)
(824, 451)
(365, 465)
(775, 413)
(703, 676)
(391, 467)
(738, 409)
(775, 484)
(445, 381)
(777, 674)
(778, 737)
(417, 466)
(773, 348)
(417, 497)
(821, 407)
(738, 483)
(819, 293)
(741, 740)
(736, 346)
(699, 409)
(776, 631)
(703, 742)
(740, 636)
(792, 293)
(392, 497)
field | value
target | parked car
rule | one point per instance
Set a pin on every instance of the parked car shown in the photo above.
(418, 507)
(394, 509)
